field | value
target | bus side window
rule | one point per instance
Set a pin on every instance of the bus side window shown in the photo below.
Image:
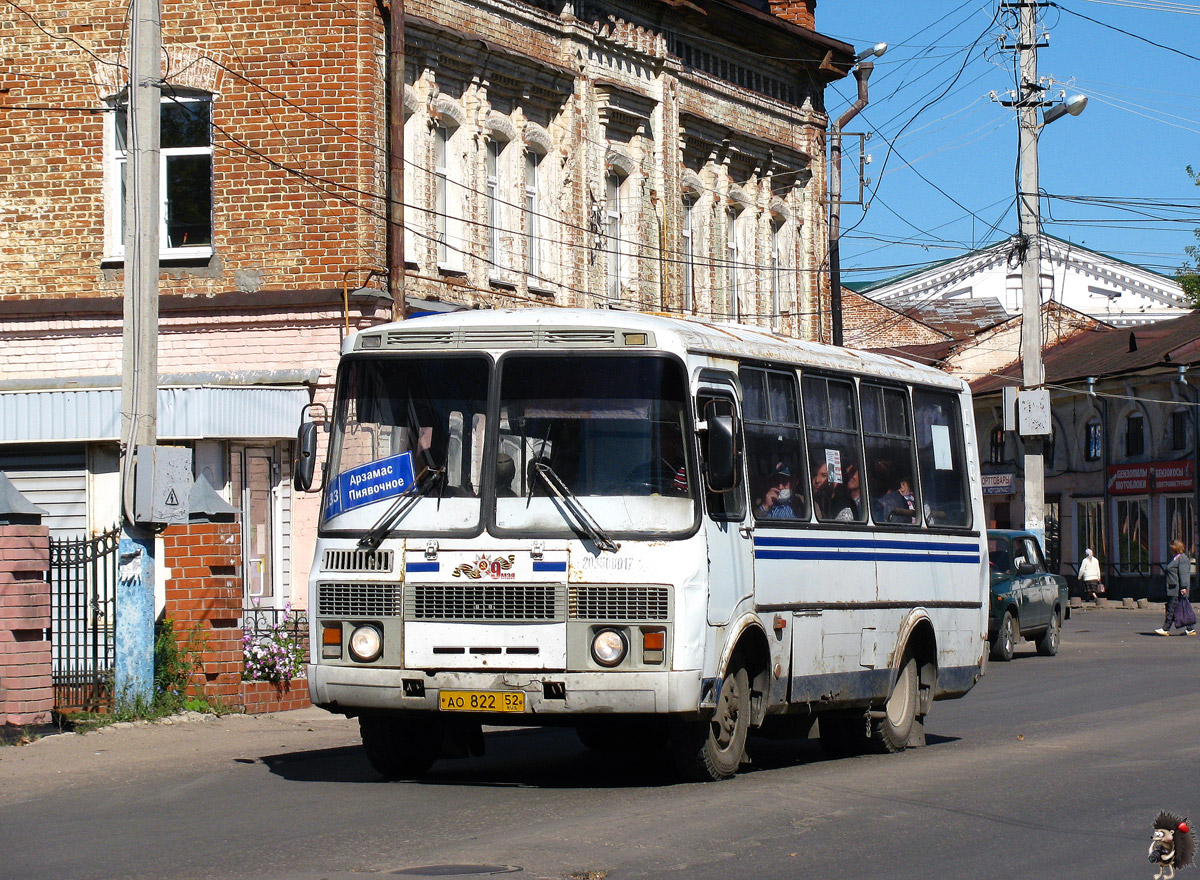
(723, 506)
(774, 446)
(834, 449)
(940, 458)
(887, 431)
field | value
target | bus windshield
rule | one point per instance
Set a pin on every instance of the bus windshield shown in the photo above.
(608, 430)
(407, 431)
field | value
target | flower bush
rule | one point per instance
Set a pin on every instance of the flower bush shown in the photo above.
(277, 653)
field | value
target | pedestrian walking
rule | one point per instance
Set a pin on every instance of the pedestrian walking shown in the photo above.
(1089, 575)
(1179, 575)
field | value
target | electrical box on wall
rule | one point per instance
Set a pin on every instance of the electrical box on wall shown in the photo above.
(1033, 413)
(162, 485)
(1008, 408)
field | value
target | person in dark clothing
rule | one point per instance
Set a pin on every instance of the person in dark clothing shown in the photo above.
(1179, 575)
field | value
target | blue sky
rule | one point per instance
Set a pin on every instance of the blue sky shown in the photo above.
(948, 184)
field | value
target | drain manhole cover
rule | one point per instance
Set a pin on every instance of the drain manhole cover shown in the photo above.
(457, 870)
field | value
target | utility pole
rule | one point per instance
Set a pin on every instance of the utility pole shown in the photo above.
(1029, 216)
(134, 672)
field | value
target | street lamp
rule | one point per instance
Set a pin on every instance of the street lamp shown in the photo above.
(862, 72)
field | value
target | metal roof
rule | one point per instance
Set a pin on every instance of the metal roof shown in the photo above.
(1102, 353)
(184, 413)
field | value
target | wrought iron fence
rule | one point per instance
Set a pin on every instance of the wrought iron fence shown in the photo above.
(259, 623)
(83, 609)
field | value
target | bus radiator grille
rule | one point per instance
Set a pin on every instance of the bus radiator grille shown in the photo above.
(358, 600)
(484, 602)
(620, 603)
(357, 560)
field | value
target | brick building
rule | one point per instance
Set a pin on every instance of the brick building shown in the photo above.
(629, 155)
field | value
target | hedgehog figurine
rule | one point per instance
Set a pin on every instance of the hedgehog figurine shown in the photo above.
(1172, 846)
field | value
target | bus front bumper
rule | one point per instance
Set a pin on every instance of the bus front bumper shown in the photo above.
(351, 688)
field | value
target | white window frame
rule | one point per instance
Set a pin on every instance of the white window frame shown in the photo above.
(448, 199)
(689, 252)
(733, 259)
(115, 174)
(616, 185)
(495, 206)
(534, 256)
(776, 272)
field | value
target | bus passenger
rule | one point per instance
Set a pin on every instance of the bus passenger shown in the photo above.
(778, 501)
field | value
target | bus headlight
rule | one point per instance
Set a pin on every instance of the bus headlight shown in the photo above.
(609, 647)
(366, 643)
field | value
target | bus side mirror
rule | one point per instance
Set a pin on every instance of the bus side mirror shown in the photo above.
(306, 456)
(720, 445)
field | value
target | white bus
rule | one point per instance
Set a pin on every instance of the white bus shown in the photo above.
(661, 532)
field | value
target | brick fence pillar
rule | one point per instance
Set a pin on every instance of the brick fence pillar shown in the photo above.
(26, 685)
(204, 595)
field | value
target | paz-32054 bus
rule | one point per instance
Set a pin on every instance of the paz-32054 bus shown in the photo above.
(661, 532)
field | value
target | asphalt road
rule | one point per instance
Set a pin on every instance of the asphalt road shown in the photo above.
(1050, 767)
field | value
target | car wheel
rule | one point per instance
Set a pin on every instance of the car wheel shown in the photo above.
(1002, 645)
(890, 733)
(1047, 645)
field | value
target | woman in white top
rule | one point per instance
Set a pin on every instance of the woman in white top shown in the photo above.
(1089, 575)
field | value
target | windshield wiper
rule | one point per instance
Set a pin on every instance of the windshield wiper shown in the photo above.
(573, 504)
(375, 535)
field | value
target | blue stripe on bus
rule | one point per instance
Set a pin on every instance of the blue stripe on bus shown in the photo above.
(859, 556)
(423, 566)
(882, 543)
(550, 566)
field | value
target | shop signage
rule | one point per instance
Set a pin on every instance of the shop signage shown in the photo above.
(997, 484)
(1156, 477)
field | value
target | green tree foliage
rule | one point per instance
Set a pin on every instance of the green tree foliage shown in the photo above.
(1188, 275)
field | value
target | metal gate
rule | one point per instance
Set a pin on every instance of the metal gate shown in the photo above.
(83, 617)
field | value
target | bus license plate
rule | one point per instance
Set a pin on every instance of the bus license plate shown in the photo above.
(481, 701)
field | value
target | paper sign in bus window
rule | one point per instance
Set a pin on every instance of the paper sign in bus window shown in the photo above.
(942, 458)
(833, 460)
(370, 482)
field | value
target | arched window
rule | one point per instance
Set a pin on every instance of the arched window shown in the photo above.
(733, 259)
(534, 217)
(495, 205)
(1094, 442)
(616, 221)
(1135, 435)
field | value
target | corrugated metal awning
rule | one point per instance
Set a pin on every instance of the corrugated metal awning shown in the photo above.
(184, 413)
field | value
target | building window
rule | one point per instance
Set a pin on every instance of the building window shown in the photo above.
(185, 177)
(997, 446)
(533, 224)
(1048, 449)
(689, 252)
(1181, 522)
(448, 200)
(1089, 517)
(1133, 535)
(1179, 431)
(1093, 446)
(1135, 435)
(618, 266)
(495, 207)
(776, 273)
(733, 256)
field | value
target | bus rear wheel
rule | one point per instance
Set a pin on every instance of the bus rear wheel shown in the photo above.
(400, 747)
(713, 749)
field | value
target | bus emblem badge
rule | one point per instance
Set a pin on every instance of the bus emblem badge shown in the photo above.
(496, 568)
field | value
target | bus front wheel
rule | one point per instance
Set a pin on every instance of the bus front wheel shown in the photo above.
(891, 732)
(713, 749)
(400, 747)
